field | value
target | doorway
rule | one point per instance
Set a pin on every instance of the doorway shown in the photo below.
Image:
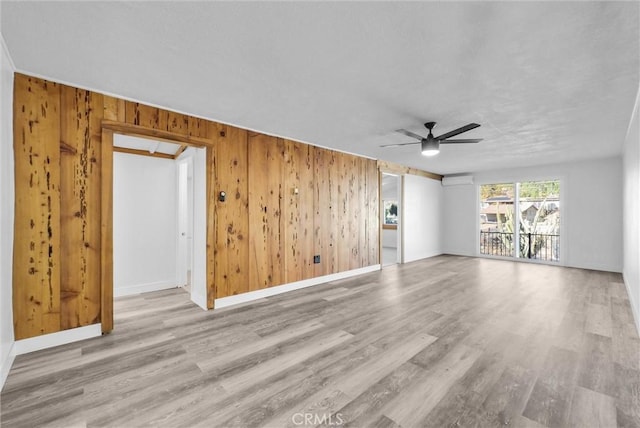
(391, 215)
(185, 222)
(159, 209)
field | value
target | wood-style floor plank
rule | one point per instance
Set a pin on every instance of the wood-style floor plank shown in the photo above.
(446, 341)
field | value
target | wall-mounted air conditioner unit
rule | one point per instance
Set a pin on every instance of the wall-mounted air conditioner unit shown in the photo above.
(457, 180)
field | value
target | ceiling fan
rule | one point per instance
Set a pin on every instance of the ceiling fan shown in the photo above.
(431, 144)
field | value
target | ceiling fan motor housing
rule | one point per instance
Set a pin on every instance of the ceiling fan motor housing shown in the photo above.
(430, 125)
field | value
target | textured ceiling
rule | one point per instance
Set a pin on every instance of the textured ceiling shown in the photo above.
(548, 81)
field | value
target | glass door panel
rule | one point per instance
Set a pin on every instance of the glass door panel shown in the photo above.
(539, 207)
(497, 223)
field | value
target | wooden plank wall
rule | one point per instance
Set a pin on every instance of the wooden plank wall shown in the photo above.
(286, 202)
(37, 255)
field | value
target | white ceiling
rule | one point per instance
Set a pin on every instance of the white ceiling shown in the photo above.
(548, 81)
(145, 144)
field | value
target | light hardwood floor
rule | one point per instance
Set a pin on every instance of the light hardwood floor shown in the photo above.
(448, 341)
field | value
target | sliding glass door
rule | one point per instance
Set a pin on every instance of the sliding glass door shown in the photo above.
(521, 220)
(497, 226)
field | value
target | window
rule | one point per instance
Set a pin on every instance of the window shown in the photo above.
(526, 213)
(390, 214)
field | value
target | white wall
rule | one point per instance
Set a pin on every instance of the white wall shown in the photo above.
(591, 211)
(390, 238)
(144, 223)
(422, 218)
(631, 212)
(459, 226)
(199, 274)
(6, 211)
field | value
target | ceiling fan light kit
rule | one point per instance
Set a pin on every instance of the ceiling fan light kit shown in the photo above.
(430, 144)
(430, 147)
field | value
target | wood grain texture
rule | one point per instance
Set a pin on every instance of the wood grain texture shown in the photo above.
(306, 210)
(106, 233)
(332, 230)
(198, 127)
(266, 222)
(372, 212)
(143, 153)
(80, 206)
(322, 233)
(231, 254)
(400, 348)
(355, 211)
(291, 212)
(401, 169)
(153, 133)
(114, 109)
(345, 221)
(298, 211)
(177, 123)
(36, 250)
(263, 235)
(212, 221)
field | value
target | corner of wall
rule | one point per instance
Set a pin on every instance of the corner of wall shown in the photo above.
(7, 340)
(631, 211)
(634, 303)
(5, 365)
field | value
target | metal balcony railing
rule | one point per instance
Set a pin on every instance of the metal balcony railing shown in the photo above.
(537, 246)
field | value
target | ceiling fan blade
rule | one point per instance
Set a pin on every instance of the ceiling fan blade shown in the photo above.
(403, 144)
(409, 134)
(470, 140)
(455, 132)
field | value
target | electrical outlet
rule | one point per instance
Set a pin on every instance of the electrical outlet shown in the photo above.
(316, 259)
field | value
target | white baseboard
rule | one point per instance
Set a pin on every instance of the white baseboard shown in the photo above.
(634, 304)
(279, 289)
(5, 366)
(423, 256)
(596, 266)
(143, 288)
(45, 341)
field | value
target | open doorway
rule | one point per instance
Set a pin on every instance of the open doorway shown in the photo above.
(185, 223)
(159, 217)
(391, 210)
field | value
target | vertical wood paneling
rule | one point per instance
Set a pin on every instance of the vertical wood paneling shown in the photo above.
(306, 215)
(176, 122)
(344, 213)
(373, 209)
(147, 116)
(355, 219)
(363, 207)
(131, 114)
(80, 200)
(198, 127)
(265, 211)
(143, 115)
(106, 233)
(264, 234)
(113, 108)
(298, 214)
(321, 208)
(333, 229)
(231, 256)
(292, 257)
(36, 258)
(212, 241)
